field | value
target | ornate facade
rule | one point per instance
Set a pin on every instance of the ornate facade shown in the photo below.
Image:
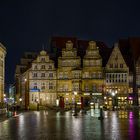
(91, 79)
(68, 75)
(42, 80)
(2, 71)
(117, 79)
(92, 75)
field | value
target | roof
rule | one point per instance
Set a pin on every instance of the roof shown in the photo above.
(130, 49)
(60, 42)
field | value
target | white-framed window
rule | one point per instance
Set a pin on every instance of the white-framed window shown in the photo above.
(42, 59)
(50, 67)
(93, 75)
(42, 74)
(65, 87)
(76, 75)
(42, 67)
(50, 75)
(86, 75)
(34, 74)
(94, 88)
(50, 85)
(66, 75)
(100, 88)
(76, 87)
(86, 88)
(35, 86)
(100, 75)
(60, 75)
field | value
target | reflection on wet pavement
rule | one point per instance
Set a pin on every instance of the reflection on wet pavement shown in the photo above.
(38, 125)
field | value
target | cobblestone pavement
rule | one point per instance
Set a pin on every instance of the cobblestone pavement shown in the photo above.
(52, 125)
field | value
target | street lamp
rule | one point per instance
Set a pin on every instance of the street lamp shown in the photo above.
(26, 82)
(75, 111)
(20, 100)
(37, 100)
(4, 100)
(113, 101)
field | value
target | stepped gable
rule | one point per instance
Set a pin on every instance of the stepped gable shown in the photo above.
(81, 45)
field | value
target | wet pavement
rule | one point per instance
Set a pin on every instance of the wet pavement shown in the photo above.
(52, 125)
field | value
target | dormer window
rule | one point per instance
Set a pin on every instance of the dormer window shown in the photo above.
(43, 59)
(50, 66)
(42, 66)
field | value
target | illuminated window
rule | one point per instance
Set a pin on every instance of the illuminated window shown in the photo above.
(50, 85)
(60, 75)
(86, 75)
(65, 75)
(66, 87)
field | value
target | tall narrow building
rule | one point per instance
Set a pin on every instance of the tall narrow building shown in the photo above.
(2, 71)
(42, 81)
(68, 66)
(117, 79)
(92, 76)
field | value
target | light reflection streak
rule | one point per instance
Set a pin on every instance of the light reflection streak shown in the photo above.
(131, 126)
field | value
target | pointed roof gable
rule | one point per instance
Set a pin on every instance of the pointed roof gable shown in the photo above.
(116, 57)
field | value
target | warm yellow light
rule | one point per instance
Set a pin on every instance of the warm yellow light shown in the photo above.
(113, 93)
(75, 93)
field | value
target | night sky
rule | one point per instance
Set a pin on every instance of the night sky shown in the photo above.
(27, 24)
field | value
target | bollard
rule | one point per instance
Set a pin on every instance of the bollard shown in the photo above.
(101, 117)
